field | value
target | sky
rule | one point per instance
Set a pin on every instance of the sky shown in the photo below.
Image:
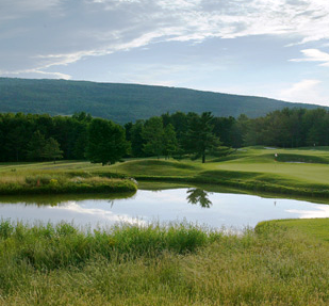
(271, 48)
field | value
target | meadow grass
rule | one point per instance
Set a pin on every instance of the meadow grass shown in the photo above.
(152, 265)
(56, 183)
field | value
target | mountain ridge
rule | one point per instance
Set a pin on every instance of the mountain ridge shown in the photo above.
(127, 102)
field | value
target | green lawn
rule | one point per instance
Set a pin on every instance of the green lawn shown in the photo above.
(304, 171)
(296, 171)
(314, 228)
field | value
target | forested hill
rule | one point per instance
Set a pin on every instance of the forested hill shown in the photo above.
(125, 102)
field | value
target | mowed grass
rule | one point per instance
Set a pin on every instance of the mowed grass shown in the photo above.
(246, 160)
(295, 171)
(152, 265)
(314, 228)
(314, 169)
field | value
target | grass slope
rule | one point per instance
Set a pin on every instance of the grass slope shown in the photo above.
(253, 168)
(125, 102)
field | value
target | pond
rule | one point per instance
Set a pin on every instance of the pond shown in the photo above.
(163, 203)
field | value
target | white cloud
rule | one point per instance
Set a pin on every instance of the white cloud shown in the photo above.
(314, 55)
(14, 9)
(87, 28)
(28, 72)
(305, 91)
(321, 212)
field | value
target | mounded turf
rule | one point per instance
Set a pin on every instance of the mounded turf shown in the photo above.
(299, 171)
(302, 172)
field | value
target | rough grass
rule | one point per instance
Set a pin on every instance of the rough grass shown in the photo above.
(156, 266)
(63, 184)
(49, 247)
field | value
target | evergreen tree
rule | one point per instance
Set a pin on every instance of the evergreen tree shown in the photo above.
(137, 140)
(106, 142)
(153, 135)
(36, 146)
(200, 136)
(52, 150)
(16, 141)
(169, 141)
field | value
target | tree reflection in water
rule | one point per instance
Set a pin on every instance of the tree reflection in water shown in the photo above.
(198, 196)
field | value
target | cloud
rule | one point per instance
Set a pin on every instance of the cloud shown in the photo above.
(321, 212)
(97, 214)
(56, 32)
(305, 91)
(29, 72)
(16, 9)
(314, 55)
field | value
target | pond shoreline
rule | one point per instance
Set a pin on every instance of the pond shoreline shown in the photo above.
(240, 184)
(42, 185)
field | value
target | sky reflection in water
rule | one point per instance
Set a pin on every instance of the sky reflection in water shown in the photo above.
(194, 205)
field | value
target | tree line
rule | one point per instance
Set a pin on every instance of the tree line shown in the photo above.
(78, 137)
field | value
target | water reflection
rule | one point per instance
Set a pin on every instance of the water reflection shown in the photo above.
(320, 212)
(210, 208)
(75, 209)
(198, 196)
(60, 200)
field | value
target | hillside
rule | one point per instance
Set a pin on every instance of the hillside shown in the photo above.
(125, 102)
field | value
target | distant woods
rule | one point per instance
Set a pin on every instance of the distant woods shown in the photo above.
(179, 135)
(42, 137)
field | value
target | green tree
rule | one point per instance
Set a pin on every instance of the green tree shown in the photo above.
(170, 144)
(35, 148)
(223, 128)
(16, 140)
(106, 142)
(52, 150)
(153, 135)
(137, 140)
(200, 137)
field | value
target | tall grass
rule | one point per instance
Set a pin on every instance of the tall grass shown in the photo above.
(178, 265)
(48, 247)
(63, 184)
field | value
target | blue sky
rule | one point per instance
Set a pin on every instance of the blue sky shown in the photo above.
(272, 48)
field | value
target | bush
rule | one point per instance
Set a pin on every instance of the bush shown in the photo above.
(38, 180)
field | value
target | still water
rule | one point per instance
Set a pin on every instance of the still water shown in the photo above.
(196, 205)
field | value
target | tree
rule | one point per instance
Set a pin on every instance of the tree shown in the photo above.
(137, 140)
(106, 142)
(200, 137)
(223, 128)
(52, 150)
(169, 141)
(16, 140)
(153, 135)
(35, 148)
